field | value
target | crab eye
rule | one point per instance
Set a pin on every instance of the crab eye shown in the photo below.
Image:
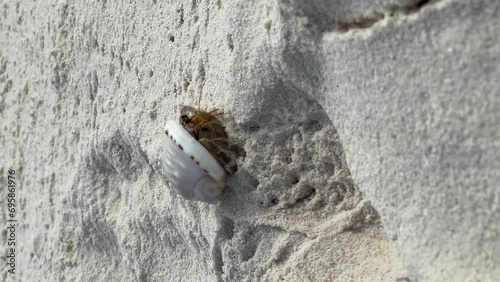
(186, 119)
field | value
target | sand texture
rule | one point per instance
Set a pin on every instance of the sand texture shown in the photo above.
(371, 131)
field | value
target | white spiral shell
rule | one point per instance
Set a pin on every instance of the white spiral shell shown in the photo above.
(190, 168)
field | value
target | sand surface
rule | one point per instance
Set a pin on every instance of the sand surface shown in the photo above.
(371, 130)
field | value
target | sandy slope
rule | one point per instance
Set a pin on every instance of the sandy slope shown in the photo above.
(371, 132)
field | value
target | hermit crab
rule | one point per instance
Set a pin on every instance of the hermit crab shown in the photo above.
(198, 154)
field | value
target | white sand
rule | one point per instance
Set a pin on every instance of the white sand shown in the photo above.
(371, 132)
